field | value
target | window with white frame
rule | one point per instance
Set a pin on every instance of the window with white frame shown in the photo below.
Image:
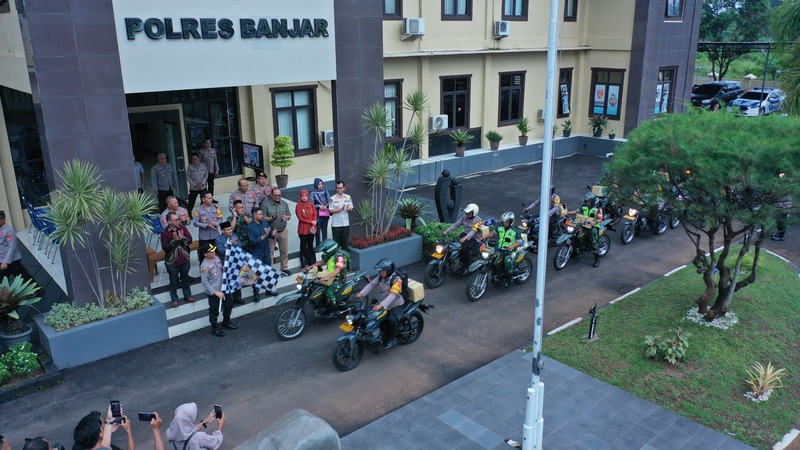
(295, 116)
(456, 9)
(393, 102)
(515, 9)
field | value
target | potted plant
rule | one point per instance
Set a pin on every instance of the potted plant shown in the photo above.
(524, 127)
(411, 209)
(494, 139)
(13, 295)
(566, 128)
(612, 133)
(282, 156)
(598, 122)
(461, 138)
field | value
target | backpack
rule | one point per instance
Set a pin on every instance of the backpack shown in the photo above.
(185, 443)
(404, 290)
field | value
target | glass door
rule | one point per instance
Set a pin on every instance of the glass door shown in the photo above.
(157, 130)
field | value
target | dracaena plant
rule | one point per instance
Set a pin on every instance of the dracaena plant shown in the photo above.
(16, 293)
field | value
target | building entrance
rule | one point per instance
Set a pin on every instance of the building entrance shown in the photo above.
(159, 131)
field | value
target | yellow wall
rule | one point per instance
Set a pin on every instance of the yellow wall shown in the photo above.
(13, 68)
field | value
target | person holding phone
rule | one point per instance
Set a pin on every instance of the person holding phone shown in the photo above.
(184, 427)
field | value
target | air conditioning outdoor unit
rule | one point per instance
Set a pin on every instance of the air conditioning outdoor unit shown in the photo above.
(413, 28)
(438, 123)
(327, 138)
(501, 28)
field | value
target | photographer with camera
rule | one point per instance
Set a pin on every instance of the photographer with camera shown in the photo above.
(40, 443)
(185, 434)
(94, 433)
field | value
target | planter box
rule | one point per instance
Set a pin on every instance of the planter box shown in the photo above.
(403, 252)
(98, 340)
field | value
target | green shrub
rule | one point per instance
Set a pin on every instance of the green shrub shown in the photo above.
(20, 360)
(431, 232)
(671, 349)
(66, 315)
(4, 373)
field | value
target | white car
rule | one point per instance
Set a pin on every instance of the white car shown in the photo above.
(758, 102)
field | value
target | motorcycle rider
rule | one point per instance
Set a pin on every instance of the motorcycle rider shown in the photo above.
(591, 210)
(509, 239)
(391, 288)
(470, 240)
(555, 206)
(336, 261)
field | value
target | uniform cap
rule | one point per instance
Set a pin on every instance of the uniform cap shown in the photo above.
(206, 248)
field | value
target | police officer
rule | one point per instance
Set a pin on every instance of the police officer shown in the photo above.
(509, 239)
(196, 176)
(262, 189)
(207, 218)
(391, 288)
(10, 256)
(209, 158)
(229, 239)
(211, 277)
(472, 235)
(243, 194)
(591, 210)
(163, 180)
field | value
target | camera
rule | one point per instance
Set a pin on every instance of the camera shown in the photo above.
(218, 411)
(146, 416)
(116, 408)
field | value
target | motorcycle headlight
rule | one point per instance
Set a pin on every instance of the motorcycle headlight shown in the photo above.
(706, 101)
(299, 287)
(485, 255)
(570, 229)
(524, 223)
(440, 249)
(633, 211)
(349, 319)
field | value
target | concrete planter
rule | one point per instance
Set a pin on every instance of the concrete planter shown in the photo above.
(98, 340)
(403, 252)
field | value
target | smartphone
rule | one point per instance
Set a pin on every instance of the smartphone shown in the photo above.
(218, 411)
(116, 408)
(146, 416)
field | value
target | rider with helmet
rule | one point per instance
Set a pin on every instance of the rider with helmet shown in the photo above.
(471, 237)
(391, 288)
(509, 239)
(591, 210)
(555, 206)
(336, 262)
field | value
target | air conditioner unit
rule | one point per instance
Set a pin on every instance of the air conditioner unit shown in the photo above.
(438, 123)
(327, 138)
(501, 28)
(540, 115)
(413, 28)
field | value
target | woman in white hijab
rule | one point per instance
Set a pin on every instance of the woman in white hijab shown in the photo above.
(183, 428)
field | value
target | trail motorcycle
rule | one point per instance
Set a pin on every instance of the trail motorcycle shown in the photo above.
(639, 221)
(490, 267)
(446, 259)
(610, 208)
(291, 322)
(577, 239)
(363, 331)
(530, 226)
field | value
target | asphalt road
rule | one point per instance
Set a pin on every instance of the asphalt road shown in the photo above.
(257, 377)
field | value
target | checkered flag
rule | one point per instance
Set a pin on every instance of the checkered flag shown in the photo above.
(243, 269)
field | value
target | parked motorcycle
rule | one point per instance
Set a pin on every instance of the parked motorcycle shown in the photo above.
(610, 208)
(577, 239)
(639, 221)
(291, 322)
(446, 259)
(490, 267)
(363, 331)
(530, 226)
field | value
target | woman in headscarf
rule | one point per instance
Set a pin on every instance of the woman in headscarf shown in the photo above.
(321, 199)
(183, 428)
(306, 228)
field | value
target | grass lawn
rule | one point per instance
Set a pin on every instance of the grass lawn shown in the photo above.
(708, 386)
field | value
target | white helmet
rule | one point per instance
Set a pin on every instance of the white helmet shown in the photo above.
(471, 208)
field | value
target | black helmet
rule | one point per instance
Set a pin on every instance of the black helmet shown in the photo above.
(385, 264)
(328, 247)
(589, 197)
(507, 216)
(552, 188)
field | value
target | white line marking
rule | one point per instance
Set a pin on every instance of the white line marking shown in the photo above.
(675, 270)
(625, 295)
(566, 325)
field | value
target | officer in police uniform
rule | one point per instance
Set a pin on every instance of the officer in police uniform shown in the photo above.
(211, 277)
(163, 180)
(261, 190)
(10, 256)
(209, 155)
(207, 218)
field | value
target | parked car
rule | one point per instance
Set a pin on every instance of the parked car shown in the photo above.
(722, 91)
(757, 102)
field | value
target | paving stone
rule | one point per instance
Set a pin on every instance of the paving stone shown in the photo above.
(590, 441)
(705, 438)
(470, 445)
(452, 418)
(658, 420)
(732, 444)
(423, 435)
(488, 439)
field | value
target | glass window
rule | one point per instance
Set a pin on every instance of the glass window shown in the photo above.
(455, 101)
(606, 92)
(512, 88)
(457, 9)
(515, 9)
(570, 10)
(392, 101)
(674, 9)
(564, 92)
(212, 114)
(664, 91)
(26, 151)
(393, 9)
(295, 116)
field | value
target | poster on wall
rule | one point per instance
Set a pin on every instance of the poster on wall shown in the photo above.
(657, 108)
(613, 101)
(599, 99)
(565, 100)
(665, 98)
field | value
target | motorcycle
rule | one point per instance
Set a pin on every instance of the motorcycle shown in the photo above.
(639, 221)
(363, 331)
(530, 226)
(490, 267)
(291, 322)
(446, 259)
(610, 208)
(577, 240)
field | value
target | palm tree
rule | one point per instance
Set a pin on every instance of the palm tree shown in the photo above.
(786, 31)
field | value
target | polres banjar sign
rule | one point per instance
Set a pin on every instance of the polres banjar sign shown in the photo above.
(188, 44)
